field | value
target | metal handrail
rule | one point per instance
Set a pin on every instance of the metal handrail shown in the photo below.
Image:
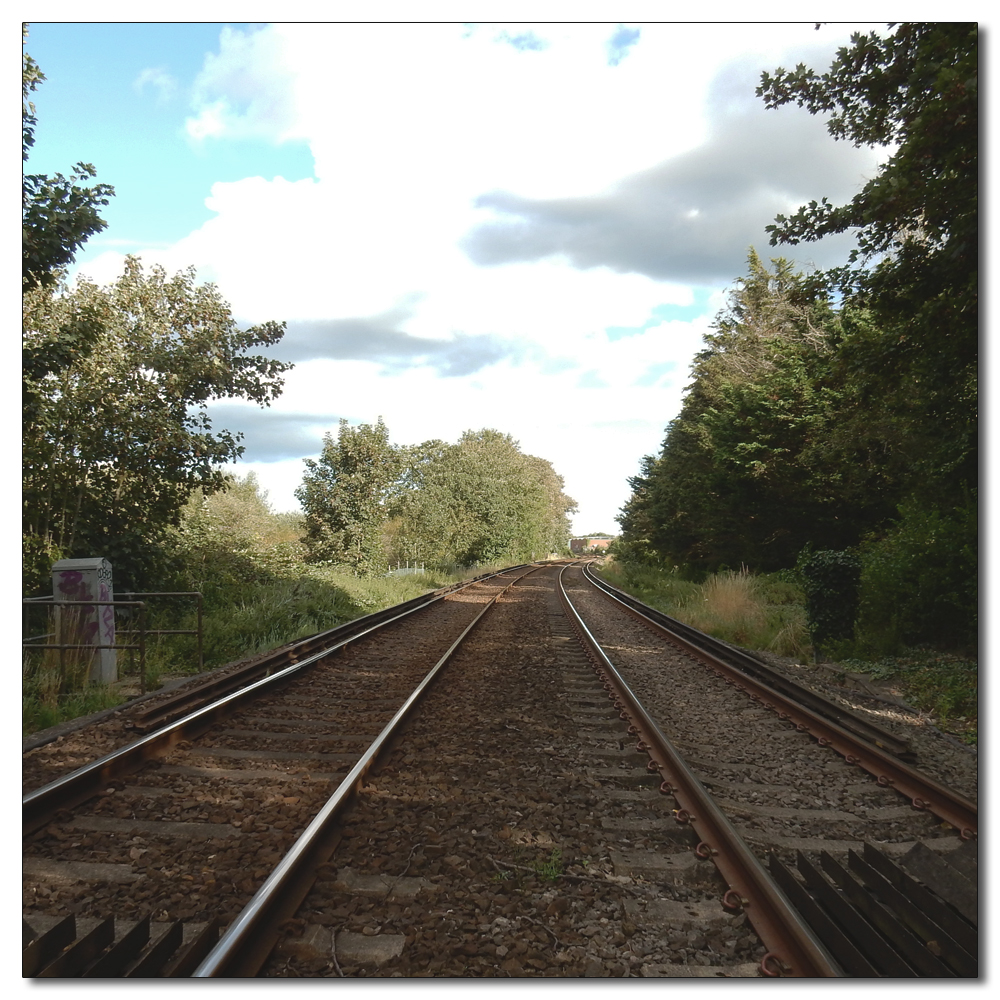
(143, 632)
(90, 603)
(179, 631)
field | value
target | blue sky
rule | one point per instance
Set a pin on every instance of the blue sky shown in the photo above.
(526, 226)
(125, 115)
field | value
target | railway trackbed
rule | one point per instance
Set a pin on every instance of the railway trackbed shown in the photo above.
(501, 805)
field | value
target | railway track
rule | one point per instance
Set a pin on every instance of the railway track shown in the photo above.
(789, 781)
(511, 827)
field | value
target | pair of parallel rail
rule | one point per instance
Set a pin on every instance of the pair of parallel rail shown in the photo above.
(796, 946)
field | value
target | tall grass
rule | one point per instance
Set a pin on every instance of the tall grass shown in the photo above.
(759, 612)
(55, 684)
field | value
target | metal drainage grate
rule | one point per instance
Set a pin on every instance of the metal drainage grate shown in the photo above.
(879, 918)
(138, 953)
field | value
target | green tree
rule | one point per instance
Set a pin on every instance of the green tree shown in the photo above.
(551, 518)
(911, 364)
(745, 475)
(480, 500)
(116, 441)
(916, 222)
(345, 495)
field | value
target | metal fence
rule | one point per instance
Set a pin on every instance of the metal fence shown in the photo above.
(406, 570)
(136, 635)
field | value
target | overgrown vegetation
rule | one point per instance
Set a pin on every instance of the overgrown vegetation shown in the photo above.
(763, 612)
(837, 412)
(552, 869)
(768, 612)
(830, 580)
(259, 592)
(828, 413)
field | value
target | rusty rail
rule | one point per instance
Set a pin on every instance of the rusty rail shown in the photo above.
(793, 948)
(748, 664)
(923, 791)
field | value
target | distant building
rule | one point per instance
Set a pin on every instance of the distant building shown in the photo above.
(589, 543)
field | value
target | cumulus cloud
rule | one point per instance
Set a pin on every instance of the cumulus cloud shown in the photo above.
(690, 218)
(245, 90)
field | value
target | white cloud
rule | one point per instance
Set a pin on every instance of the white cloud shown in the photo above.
(409, 125)
(246, 89)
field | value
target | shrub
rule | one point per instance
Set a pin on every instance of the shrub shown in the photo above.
(830, 581)
(919, 581)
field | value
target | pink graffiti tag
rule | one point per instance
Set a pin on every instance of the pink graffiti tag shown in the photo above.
(71, 583)
(107, 614)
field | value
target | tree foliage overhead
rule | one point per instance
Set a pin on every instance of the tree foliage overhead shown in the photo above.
(917, 91)
(916, 223)
(116, 440)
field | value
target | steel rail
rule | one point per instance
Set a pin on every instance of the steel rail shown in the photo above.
(923, 791)
(793, 948)
(219, 684)
(40, 805)
(246, 944)
(747, 663)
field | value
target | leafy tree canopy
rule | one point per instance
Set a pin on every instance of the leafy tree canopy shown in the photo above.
(917, 91)
(479, 500)
(752, 468)
(916, 265)
(345, 495)
(116, 440)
